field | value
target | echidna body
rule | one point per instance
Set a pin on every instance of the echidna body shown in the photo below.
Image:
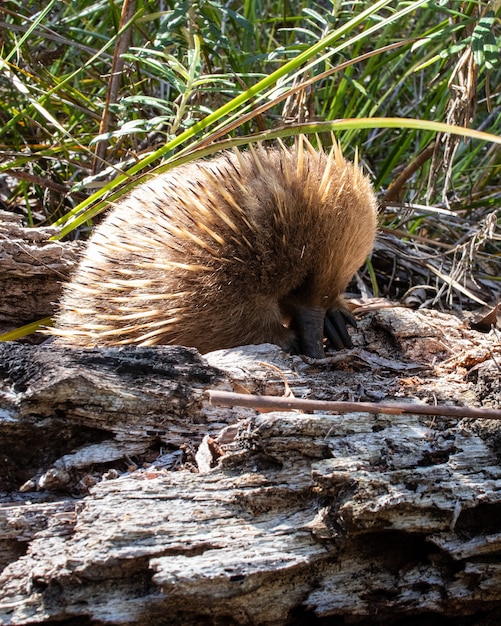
(245, 248)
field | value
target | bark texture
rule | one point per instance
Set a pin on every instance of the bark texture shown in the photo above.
(32, 271)
(129, 499)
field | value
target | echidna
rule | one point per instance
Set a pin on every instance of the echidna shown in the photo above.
(244, 248)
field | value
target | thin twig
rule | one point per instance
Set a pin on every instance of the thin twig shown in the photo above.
(227, 398)
(395, 190)
(122, 45)
(43, 181)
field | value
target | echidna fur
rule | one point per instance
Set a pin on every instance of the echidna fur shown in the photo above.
(247, 247)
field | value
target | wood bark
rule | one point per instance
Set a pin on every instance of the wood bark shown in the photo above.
(129, 499)
(32, 271)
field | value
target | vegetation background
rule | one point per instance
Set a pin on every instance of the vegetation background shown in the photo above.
(95, 94)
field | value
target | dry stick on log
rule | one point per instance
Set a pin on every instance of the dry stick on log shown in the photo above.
(227, 398)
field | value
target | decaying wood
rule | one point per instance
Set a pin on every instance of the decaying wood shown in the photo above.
(32, 270)
(142, 503)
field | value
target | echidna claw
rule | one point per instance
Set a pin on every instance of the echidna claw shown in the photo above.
(335, 330)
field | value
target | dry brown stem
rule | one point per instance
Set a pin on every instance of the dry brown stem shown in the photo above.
(226, 398)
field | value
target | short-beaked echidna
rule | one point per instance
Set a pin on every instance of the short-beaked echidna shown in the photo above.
(248, 247)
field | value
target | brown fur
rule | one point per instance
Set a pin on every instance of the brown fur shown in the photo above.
(221, 253)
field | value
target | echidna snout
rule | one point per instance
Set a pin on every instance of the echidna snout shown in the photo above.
(248, 247)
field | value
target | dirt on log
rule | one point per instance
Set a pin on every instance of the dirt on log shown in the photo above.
(128, 498)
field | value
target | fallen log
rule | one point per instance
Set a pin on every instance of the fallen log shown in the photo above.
(128, 498)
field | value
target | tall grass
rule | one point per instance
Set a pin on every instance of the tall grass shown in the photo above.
(95, 94)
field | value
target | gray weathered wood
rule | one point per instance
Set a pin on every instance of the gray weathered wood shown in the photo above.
(304, 516)
(32, 271)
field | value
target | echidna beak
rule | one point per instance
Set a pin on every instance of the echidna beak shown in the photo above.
(313, 324)
(309, 326)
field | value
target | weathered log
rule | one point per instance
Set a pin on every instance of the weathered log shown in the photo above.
(149, 505)
(32, 271)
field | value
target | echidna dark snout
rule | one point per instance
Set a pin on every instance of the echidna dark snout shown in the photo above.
(311, 325)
